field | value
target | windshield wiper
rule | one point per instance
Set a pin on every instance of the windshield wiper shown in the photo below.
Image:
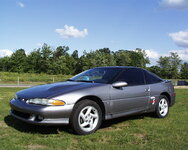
(70, 80)
(84, 81)
(81, 80)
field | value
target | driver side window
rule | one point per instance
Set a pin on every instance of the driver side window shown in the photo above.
(132, 77)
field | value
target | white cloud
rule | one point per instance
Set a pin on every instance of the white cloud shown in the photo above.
(71, 31)
(39, 44)
(5, 52)
(154, 55)
(175, 4)
(183, 54)
(180, 38)
(22, 5)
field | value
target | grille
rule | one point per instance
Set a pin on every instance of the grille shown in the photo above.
(21, 114)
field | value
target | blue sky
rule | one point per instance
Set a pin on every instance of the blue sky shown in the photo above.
(158, 26)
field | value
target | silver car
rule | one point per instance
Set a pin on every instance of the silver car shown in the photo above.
(92, 96)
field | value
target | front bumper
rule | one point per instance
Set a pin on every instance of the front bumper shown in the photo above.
(38, 114)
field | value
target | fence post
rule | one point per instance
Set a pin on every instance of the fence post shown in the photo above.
(18, 81)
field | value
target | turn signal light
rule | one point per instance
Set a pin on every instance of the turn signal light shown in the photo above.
(57, 102)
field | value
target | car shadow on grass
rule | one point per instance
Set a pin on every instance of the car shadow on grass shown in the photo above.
(30, 128)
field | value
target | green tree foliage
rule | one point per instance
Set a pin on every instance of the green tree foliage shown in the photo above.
(34, 61)
(170, 66)
(58, 61)
(60, 51)
(18, 61)
(155, 69)
(101, 57)
(184, 70)
(164, 64)
(137, 58)
(122, 58)
(75, 54)
(5, 64)
(175, 63)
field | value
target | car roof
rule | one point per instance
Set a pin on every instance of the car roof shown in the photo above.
(122, 67)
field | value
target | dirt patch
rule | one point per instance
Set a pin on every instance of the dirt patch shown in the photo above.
(110, 129)
(105, 139)
(140, 135)
(121, 125)
(36, 146)
(181, 87)
(3, 125)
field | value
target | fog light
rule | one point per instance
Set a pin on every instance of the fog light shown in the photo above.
(32, 117)
(40, 118)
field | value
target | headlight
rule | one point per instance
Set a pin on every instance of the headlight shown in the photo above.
(43, 101)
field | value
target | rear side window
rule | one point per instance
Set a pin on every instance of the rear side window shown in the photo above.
(151, 78)
(132, 77)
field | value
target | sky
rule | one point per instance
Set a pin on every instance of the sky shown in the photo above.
(157, 26)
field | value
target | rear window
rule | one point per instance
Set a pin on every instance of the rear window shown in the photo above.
(151, 78)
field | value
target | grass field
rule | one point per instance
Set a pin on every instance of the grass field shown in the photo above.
(136, 132)
(11, 78)
(30, 78)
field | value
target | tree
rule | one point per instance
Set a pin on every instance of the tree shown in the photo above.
(75, 54)
(58, 66)
(184, 70)
(139, 58)
(156, 70)
(105, 50)
(175, 63)
(164, 64)
(34, 61)
(46, 55)
(96, 58)
(18, 61)
(122, 58)
(170, 65)
(60, 51)
(59, 61)
(5, 64)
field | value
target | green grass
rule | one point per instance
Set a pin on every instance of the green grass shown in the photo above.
(30, 78)
(35, 79)
(136, 132)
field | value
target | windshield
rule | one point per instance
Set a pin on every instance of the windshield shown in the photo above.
(97, 75)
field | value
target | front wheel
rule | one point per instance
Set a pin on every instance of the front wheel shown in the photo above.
(86, 117)
(162, 108)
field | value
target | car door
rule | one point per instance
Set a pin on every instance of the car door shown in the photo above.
(132, 98)
(156, 88)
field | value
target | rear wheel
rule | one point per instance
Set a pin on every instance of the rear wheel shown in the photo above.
(162, 109)
(86, 117)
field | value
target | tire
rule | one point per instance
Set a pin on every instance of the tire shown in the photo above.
(162, 108)
(86, 117)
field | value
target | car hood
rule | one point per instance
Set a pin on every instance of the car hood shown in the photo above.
(54, 89)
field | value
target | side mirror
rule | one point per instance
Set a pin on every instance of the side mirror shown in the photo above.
(119, 84)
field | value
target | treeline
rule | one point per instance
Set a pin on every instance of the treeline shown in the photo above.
(59, 61)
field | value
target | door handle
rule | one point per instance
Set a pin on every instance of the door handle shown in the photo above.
(147, 90)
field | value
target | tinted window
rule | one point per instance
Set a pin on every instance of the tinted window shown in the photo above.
(151, 78)
(98, 75)
(132, 77)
